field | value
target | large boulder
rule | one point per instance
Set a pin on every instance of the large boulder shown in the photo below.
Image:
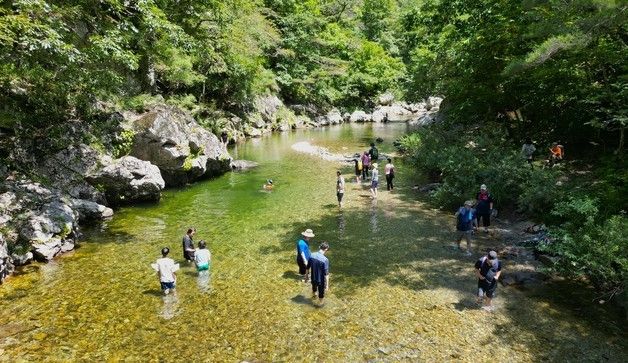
(243, 164)
(334, 117)
(267, 107)
(6, 266)
(378, 116)
(397, 112)
(88, 210)
(184, 151)
(129, 179)
(385, 99)
(54, 219)
(359, 116)
(67, 169)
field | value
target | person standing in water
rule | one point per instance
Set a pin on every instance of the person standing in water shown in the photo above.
(374, 181)
(188, 245)
(366, 162)
(340, 188)
(319, 265)
(202, 257)
(303, 253)
(389, 170)
(358, 168)
(166, 271)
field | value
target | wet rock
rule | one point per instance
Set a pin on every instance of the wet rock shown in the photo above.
(433, 103)
(243, 164)
(22, 259)
(88, 210)
(379, 116)
(423, 120)
(130, 179)
(536, 228)
(46, 251)
(252, 132)
(184, 151)
(546, 260)
(359, 116)
(55, 218)
(301, 121)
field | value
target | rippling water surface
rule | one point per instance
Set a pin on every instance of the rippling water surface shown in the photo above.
(398, 292)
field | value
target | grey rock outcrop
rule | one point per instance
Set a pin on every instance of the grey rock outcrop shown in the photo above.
(6, 266)
(334, 117)
(385, 99)
(130, 179)
(243, 164)
(184, 151)
(88, 210)
(360, 116)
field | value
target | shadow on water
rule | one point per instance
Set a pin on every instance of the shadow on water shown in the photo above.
(408, 247)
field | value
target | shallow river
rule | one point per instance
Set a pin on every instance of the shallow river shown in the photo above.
(399, 292)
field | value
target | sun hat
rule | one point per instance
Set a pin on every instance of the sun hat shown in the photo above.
(483, 187)
(308, 233)
(269, 181)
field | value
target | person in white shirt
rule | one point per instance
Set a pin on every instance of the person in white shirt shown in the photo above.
(166, 271)
(202, 257)
(389, 170)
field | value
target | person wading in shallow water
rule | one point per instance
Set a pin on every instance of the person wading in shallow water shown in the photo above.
(320, 272)
(366, 163)
(202, 257)
(374, 181)
(166, 271)
(389, 170)
(340, 188)
(188, 245)
(303, 253)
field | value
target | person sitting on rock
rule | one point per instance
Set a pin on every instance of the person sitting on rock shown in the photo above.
(557, 153)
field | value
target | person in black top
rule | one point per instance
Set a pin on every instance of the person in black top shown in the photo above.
(487, 269)
(484, 207)
(188, 245)
(373, 153)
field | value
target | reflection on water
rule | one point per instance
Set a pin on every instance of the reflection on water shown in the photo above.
(170, 307)
(202, 281)
(395, 293)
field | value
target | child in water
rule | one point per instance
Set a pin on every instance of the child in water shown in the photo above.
(268, 185)
(202, 257)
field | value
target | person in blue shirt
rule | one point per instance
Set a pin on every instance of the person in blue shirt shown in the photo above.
(465, 222)
(303, 253)
(319, 264)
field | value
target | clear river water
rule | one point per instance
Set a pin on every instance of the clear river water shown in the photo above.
(399, 292)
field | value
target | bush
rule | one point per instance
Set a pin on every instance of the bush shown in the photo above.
(587, 245)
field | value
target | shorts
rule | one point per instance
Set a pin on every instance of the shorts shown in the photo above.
(339, 196)
(320, 288)
(167, 285)
(487, 288)
(203, 267)
(358, 172)
(463, 234)
(374, 184)
(302, 265)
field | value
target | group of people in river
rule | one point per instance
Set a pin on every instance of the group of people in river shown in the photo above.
(366, 167)
(166, 267)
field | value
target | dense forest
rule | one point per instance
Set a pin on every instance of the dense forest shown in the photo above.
(549, 70)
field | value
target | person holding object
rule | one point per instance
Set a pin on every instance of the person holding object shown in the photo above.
(319, 265)
(303, 253)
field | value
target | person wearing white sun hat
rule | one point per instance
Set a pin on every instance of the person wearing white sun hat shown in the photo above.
(303, 253)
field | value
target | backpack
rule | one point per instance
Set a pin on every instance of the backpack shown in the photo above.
(360, 166)
(375, 153)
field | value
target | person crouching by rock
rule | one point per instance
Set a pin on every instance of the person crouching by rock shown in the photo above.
(487, 269)
(303, 253)
(188, 245)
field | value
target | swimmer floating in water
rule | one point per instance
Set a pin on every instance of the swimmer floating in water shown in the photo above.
(268, 185)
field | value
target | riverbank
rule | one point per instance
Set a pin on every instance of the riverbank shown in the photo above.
(398, 290)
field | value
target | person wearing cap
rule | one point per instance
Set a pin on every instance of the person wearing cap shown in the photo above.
(319, 264)
(484, 207)
(374, 181)
(340, 188)
(303, 253)
(465, 221)
(487, 269)
(166, 271)
(188, 245)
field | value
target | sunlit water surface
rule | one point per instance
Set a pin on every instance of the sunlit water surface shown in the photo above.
(398, 291)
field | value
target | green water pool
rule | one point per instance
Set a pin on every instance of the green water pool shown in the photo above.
(398, 292)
